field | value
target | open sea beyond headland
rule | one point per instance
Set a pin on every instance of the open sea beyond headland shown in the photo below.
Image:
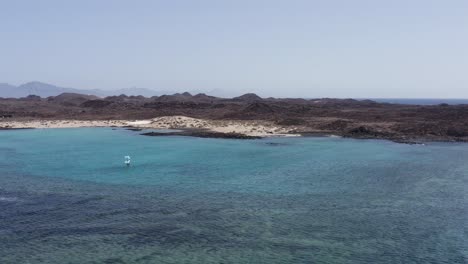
(422, 101)
(67, 197)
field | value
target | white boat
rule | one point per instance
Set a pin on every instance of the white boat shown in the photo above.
(127, 160)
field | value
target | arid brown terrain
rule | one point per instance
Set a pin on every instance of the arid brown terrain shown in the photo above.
(344, 117)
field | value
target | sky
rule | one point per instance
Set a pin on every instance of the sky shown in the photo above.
(289, 48)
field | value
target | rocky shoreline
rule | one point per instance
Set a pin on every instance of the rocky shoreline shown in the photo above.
(206, 133)
(201, 134)
(247, 116)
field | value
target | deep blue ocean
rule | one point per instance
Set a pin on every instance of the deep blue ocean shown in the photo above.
(416, 101)
(67, 197)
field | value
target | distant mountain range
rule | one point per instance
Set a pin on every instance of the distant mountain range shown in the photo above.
(46, 90)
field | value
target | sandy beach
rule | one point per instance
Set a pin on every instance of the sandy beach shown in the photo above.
(248, 128)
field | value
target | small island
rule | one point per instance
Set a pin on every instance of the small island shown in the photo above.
(245, 117)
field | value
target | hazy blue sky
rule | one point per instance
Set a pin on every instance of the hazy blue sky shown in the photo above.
(394, 48)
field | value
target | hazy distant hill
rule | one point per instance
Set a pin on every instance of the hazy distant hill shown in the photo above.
(46, 90)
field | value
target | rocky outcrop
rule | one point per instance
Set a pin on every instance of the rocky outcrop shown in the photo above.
(202, 134)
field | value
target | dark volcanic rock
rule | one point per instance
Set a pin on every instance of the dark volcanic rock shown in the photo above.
(210, 134)
(291, 122)
(119, 98)
(337, 125)
(348, 117)
(255, 110)
(457, 132)
(71, 97)
(364, 132)
(96, 103)
(185, 97)
(6, 115)
(249, 97)
(136, 97)
(15, 128)
(31, 98)
(203, 98)
(259, 108)
(202, 134)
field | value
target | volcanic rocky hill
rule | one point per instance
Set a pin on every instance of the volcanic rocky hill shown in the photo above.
(347, 117)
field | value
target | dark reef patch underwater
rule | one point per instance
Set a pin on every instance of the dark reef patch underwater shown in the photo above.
(67, 197)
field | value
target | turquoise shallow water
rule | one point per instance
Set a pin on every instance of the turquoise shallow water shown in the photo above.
(66, 197)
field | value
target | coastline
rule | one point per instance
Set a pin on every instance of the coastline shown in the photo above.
(234, 129)
(245, 116)
(190, 126)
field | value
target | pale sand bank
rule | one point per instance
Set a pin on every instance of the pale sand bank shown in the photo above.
(249, 128)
